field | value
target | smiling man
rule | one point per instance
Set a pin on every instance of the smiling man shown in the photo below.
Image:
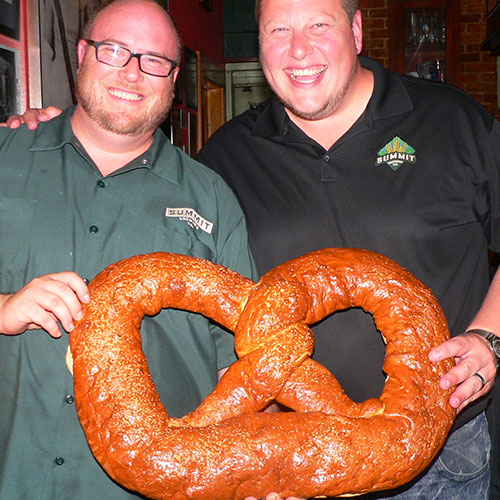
(99, 184)
(311, 63)
(350, 155)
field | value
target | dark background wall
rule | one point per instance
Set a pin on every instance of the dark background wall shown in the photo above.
(201, 29)
(241, 39)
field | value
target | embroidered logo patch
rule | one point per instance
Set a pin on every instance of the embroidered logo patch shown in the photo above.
(395, 153)
(192, 217)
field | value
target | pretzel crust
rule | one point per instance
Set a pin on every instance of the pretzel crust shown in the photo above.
(226, 449)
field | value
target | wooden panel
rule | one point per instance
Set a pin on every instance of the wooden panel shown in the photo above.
(492, 42)
(213, 109)
(490, 4)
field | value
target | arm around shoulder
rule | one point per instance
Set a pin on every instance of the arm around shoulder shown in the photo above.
(32, 117)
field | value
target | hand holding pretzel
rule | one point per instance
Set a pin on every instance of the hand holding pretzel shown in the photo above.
(227, 448)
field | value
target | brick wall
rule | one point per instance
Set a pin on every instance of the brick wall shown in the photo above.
(478, 69)
(376, 29)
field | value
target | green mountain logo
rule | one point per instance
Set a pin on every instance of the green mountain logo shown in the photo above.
(395, 153)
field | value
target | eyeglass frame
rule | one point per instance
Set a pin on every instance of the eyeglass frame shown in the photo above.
(96, 45)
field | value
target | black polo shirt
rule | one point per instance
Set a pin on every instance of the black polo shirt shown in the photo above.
(415, 178)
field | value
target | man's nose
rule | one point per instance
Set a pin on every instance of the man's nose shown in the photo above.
(300, 46)
(132, 70)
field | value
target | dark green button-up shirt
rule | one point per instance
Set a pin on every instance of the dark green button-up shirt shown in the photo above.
(57, 213)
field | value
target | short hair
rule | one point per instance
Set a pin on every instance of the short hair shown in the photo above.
(350, 7)
(89, 26)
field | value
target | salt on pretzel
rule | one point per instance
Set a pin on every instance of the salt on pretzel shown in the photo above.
(227, 448)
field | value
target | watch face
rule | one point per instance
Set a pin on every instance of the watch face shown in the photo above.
(495, 344)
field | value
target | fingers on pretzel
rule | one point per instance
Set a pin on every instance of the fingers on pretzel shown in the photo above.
(328, 446)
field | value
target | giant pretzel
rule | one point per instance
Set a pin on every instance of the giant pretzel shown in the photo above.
(226, 449)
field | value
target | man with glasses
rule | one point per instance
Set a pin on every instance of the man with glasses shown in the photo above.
(98, 184)
(118, 56)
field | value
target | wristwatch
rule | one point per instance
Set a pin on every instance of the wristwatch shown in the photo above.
(492, 339)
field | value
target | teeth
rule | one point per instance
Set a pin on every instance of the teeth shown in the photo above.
(125, 95)
(298, 73)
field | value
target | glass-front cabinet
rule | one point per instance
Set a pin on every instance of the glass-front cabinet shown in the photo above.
(422, 39)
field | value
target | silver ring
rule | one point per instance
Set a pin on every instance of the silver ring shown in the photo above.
(481, 378)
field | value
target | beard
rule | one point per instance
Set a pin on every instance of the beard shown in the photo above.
(90, 97)
(329, 107)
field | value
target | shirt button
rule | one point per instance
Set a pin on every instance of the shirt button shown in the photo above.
(101, 183)
(326, 158)
(144, 161)
(59, 460)
(69, 399)
(93, 229)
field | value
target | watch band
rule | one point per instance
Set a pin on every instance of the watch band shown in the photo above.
(492, 340)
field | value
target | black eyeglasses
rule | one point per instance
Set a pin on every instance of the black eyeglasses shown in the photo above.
(118, 56)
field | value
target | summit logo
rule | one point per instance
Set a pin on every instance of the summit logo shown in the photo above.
(395, 153)
(191, 217)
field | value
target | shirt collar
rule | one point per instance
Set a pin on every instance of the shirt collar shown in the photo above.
(54, 134)
(389, 98)
(163, 158)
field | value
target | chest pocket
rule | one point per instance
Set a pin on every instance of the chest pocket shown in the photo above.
(148, 234)
(16, 225)
(171, 240)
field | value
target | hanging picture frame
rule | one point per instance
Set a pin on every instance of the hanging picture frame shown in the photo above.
(10, 91)
(9, 18)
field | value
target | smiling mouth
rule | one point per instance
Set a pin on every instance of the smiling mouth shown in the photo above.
(306, 75)
(127, 96)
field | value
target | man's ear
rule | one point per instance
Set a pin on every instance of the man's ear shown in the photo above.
(82, 46)
(357, 31)
(176, 73)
